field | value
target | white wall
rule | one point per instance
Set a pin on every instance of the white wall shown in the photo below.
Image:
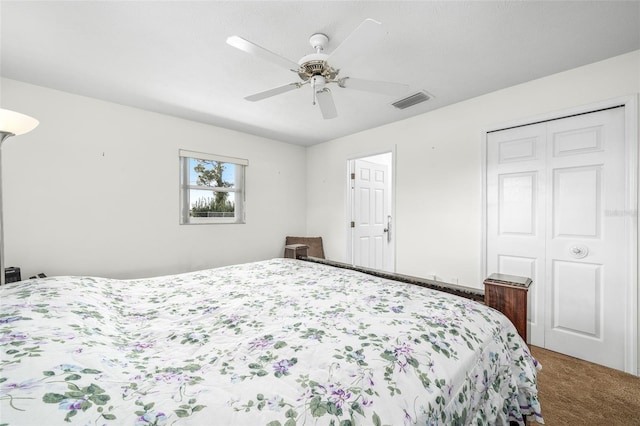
(93, 190)
(438, 168)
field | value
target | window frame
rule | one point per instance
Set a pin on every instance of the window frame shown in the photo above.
(239, 189)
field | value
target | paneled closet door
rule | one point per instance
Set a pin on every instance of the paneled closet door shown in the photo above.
(585, 297)
(551, 191)
(516, 229)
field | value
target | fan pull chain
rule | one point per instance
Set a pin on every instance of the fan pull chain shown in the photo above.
(313, 89)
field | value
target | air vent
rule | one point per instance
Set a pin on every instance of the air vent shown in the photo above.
(412, 100)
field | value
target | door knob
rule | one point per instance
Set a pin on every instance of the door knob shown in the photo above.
(579, 251)
(388, 229)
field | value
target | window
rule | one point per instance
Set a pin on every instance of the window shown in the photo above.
(211, 188)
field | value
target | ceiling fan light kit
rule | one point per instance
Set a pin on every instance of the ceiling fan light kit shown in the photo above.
(315, 69)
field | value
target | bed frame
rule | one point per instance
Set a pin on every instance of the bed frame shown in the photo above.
(505, 293)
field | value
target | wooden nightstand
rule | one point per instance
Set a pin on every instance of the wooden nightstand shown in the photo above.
(508, 294)
(294, 251)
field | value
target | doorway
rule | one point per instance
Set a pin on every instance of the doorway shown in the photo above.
(560, 210)
(371, 233)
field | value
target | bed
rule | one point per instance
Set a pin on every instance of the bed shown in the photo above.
(276, 342)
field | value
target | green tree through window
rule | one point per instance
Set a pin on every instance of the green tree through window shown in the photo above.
(212, 188)
(211, 173)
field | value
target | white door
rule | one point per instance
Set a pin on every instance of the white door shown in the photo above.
(550, 190)
(371, 215)
(516, 226)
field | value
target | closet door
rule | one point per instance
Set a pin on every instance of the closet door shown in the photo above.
(551, 191)
(585, 272)
(516, 229)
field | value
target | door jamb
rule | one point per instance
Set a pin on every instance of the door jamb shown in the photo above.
(630, 104)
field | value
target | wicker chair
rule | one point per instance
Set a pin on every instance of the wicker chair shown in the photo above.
(315, 245)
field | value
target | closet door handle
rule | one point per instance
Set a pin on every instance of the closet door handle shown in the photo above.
(579, 251)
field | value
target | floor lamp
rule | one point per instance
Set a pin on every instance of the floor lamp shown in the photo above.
(11, 124)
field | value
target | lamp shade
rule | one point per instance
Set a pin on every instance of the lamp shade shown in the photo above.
(15, 123)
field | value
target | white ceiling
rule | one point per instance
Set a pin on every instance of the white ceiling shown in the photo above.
(171, 56)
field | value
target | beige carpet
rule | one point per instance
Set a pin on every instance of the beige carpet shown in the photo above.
(575, 392)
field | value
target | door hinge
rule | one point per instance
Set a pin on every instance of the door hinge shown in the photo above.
(353, 176)
(353, 224)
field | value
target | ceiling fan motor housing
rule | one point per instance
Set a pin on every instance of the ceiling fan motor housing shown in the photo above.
(315, 63)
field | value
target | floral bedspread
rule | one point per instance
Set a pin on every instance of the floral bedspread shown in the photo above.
(278, 342)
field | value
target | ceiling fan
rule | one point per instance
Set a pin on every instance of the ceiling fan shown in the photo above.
(319, 69)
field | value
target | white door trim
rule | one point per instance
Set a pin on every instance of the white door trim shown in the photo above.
(630, 212)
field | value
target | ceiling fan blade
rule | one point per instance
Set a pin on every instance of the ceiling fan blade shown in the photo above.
(382, 87)
(327, 106)
(362, 38)
(261, 52)
(273, 92)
